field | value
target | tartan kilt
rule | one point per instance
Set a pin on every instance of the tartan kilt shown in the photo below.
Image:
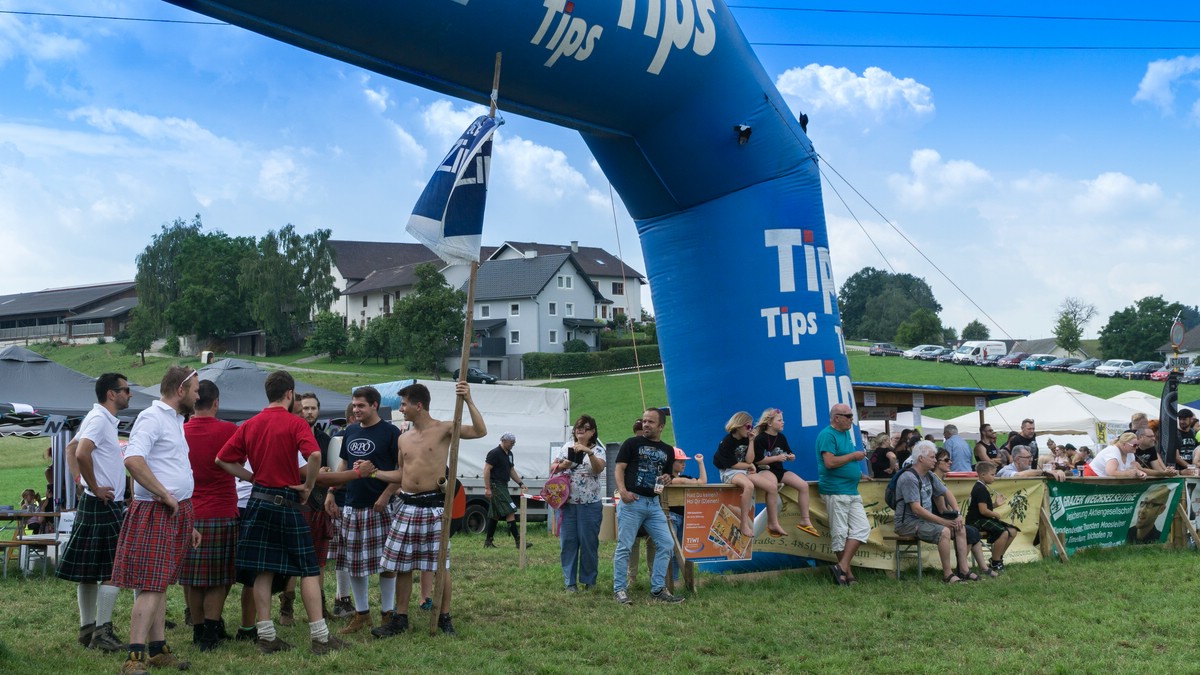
(363, 533)
(413, 539)
(335, 538)
(211, 563)
(321, 528)
(991, 528)
(275, 538)
(152, 545)
(501, 506)
(92, 546)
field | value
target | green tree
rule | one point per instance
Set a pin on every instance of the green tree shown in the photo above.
(1073, 315)
(381, 338)
(873, 303)
(922, 326)
(210, 302)
(431, 321)
(139, 333)
(329, 335)
(159, 275)
(286, 281)
(975, 330)
(1137, 331)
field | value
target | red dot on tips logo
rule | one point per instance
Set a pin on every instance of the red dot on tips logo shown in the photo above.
(783, 310)
(829, 366)
(808, 236)
(570, 7)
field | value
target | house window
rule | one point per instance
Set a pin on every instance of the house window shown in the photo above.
(552, 308)
(387, 303)
(485, 311)
(566, 281)
(603, 311)
(618, 288)
(514, 309)
(364, 301)
(570, 309)
(514, 337)
(553, 337)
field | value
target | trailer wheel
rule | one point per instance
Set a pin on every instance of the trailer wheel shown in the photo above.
(475, 519)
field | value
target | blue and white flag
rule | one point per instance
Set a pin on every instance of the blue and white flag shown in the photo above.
(448, 218)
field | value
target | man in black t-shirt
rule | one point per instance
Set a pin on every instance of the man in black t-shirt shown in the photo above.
(498, 468)
(643, 464)
(1027, 437)
(1147, 455)
(1187, 439)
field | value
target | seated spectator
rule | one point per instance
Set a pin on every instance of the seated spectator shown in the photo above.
(1147, 457)
(735, 459)
(883, 459)
(1059, 455)
(1138, 421)
(1081, 456)
(981, 515)
(902, 447)
(1153, 503)
(31, 502)
(960, 453)
(942, 464)
(1117, 460)
(1186, 457)
(945, 507)
(915, 516)
(1022, 467)
(985, 448)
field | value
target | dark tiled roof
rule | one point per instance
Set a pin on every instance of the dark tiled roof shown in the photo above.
(393, 277)
(522, 277)
(591, 260)
(1191, 342)
(60, 299)
(356, 260)
(106, 311)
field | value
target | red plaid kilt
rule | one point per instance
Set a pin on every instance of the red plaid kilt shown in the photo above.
(211, 563)
(363, 533)
(152, 545)
(322, 530)
(413, 539)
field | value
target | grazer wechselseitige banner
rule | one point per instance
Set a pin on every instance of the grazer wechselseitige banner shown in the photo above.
(1087, 514)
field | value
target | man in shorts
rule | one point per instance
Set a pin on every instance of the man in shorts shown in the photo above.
(414, 536)
(839, 474)
(915, 516)
(158, 528)
(88, 556)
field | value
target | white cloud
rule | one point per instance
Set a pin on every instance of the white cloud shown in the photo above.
(409, 147)
(1162, 78)
(876, 92)
(280, 178)
(379, 99)
(1114, 191)
(934, 182)
(445, 123)
(18, 37)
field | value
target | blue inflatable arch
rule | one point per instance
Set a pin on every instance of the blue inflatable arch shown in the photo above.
(718, 175)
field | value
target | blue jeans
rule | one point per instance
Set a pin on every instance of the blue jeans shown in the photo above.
(579, 537)
(676, 523)
(642, 511)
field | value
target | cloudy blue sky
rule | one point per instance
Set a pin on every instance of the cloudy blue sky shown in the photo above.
(1025, 171)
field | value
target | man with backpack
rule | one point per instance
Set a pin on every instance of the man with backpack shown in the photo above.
(914, 493)
(839, 474)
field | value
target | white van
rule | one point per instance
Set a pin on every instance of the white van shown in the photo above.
(972, 351)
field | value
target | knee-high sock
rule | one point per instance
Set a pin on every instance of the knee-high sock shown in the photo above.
(358, 586)
(387, 593)
(514, 531)
(106, 599)
(85, 594)
(490, 531)
(343, 583)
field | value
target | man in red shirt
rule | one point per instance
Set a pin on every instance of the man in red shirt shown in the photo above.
(208, 569)
(274, 537)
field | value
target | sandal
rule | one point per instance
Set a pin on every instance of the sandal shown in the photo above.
(968, 576)
(952, 579)
(839, 575)
(991, 572)
(778, 534)
(809, 529)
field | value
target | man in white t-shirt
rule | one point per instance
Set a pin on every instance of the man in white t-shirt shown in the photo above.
(88, 556)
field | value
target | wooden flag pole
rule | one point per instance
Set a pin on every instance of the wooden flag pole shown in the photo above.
(439, 585)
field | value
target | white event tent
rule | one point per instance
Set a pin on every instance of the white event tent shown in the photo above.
(1055, 410)
(1142, 402)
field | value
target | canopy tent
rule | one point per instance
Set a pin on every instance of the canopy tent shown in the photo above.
(32, 383)
(877, 401)
(1055, 409)
(243, 393)
(1146, 403)
(904, 420)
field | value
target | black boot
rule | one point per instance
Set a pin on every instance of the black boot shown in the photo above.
(197, 632)
(516, 534)
(489, 534)
(210, 635)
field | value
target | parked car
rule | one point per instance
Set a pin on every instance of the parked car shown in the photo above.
(1112, 367)
(1036, 361)
(1191, 375)
(884, 349)
(1058, 365)
(915, 352)
(1160, 374)
(992, 360)
(972, 351)
(477, 376)
(1012, 360)
(933, 354)
(1088, 366)
(1140, 370)
(947, 358)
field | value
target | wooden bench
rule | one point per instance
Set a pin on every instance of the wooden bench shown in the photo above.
(906, 547)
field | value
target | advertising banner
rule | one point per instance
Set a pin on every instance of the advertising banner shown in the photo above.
(1088, 513)
(712, 525)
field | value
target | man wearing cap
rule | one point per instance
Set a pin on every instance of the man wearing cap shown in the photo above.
(1187, 439)
(158, 528)
(839, 474)
(497, 469)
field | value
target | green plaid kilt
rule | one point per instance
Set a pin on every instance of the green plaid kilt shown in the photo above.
(88, 556)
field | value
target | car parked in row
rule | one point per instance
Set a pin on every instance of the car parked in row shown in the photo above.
(477, 376)
(1012, 360)
(992, 360)
(917, 351)
(1060, 364)
(1088, 366)
(884, 349)
(1140, 370)
(1036, 361)
(1160, 374)
(1112, 367)
(1191, 375)
(934, 354)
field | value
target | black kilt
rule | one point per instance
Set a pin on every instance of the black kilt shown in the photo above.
(92, 546)
(275, 538)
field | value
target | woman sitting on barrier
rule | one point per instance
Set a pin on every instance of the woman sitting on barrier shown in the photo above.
(883, 458)
(735, 459)
(1117, 460)
(771, 450)
(903, 447)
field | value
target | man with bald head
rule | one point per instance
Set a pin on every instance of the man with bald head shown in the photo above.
(839, 473)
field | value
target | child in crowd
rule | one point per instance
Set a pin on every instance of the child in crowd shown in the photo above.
(31, 502)
(675, 512)
(981, 515)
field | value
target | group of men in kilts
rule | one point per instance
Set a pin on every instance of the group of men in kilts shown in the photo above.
(183, 524)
